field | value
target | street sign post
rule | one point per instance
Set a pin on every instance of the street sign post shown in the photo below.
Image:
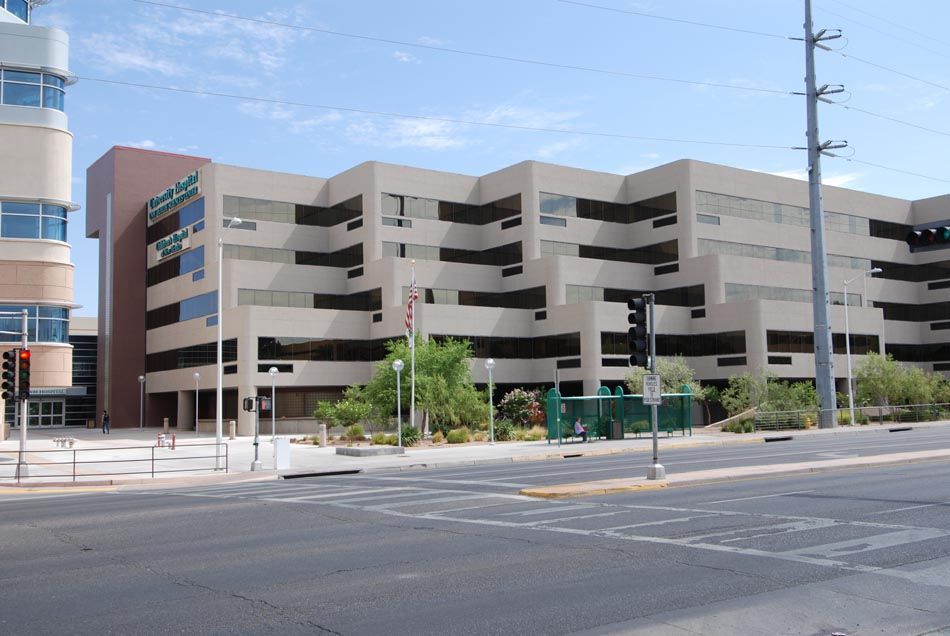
(651, 389)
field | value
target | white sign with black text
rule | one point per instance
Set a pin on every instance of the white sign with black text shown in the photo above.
(651, 389)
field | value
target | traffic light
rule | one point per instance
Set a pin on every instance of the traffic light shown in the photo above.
(637, 334)
(24, 374)
(9, 375)
(935, 237)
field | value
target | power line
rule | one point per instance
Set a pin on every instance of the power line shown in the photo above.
(448, 120)
(654, 16)
(883, 167)
(892, 70)
(893, 119)
(890, 22)
(444, 49)
(885, 33)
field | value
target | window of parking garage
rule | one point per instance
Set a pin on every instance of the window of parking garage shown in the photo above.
(656, 254)
(423, 208)
(933, 352)
(27, 88)
(44, 323)
(32, 221)
(804, 342)
(754, 209)
(187, 309)
(554, 346)
(370, 300)
(500, 256)
(321, 349)
(297, 213)
(691, 296)
(562, 205)
(194, 356)
(738, 291)
(915, 313)
(726, 248)
(531, 298)
(689, 345)
(344, 258)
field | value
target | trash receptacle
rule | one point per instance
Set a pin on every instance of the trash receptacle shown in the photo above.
(90, 423)
(616, 429)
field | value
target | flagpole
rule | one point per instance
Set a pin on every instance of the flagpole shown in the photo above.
(412, 347)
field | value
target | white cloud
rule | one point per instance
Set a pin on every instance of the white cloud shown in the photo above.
(265, 110)
(650, 155)
(145, 144)
(429, 41)
(840, 180)
(118, 54)
(550, 150)
(311, 123)
(402, 56)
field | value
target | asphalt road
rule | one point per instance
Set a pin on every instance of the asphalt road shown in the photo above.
(457, 551)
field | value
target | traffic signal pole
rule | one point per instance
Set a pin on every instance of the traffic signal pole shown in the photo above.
(22, 469)
(656, 471)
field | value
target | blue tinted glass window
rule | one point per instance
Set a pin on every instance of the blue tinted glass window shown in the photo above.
(198, 306)
(54, 210)
(192, 213)
(53, 330)
(54, 312)
(200, 225)
(54, 98)
(15, 226)
(21, 94)
(21, 208)
(211, 321)
(192, 260)
(198, 275)
(54, 229)
(21, 76)
(53, 80)
(19, 8)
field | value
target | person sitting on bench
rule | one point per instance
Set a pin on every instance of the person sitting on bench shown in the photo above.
(580, 430)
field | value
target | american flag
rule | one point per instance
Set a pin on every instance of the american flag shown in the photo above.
(413, 297)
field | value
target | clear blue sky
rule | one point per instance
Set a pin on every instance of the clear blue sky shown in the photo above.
(332, 85)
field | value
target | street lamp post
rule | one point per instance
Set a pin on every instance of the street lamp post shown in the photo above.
(219, 393)
(397, 367)
(273, 403)
(847, 334)
(197, 377)
(141, 402)
(490, 364)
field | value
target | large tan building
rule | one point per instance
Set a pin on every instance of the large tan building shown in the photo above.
(35, 199)
(533, 263)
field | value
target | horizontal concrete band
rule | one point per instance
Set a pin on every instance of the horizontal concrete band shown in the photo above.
(719, 475)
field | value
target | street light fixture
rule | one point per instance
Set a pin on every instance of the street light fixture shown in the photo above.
(490, 364)
(397, 367)
(197, 377)
(219, 391)
(141, 402)
(273, 403)
(847, 333)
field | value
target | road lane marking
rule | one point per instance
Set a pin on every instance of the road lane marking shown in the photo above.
(542, 511)
(929, 505)
(780, 494)
(873, 542)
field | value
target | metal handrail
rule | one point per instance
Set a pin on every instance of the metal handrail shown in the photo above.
(74, 462)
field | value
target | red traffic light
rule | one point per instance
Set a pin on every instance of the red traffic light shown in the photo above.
(24, 355)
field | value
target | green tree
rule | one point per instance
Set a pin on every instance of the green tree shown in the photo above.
(346, 412)
(878, 379)
(444, 387)
(915, 386)
(745, 390)
(674, 373)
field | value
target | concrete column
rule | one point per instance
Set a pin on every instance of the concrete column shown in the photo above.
(245, 419)
(185, 415)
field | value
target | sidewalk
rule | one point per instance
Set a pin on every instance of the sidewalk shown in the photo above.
(132, 451)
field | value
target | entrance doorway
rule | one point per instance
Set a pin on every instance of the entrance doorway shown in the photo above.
(48, 413)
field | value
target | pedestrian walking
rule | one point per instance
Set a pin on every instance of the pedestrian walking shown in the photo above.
(105, 423)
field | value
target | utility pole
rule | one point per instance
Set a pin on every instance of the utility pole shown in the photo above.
(824, 366)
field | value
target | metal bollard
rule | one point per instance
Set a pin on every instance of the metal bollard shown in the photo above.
(173, 441)
(165, 425)
(323, 435)
(232, 429)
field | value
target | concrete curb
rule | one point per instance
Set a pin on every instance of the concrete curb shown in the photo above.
(723, 475)
(161, 482)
